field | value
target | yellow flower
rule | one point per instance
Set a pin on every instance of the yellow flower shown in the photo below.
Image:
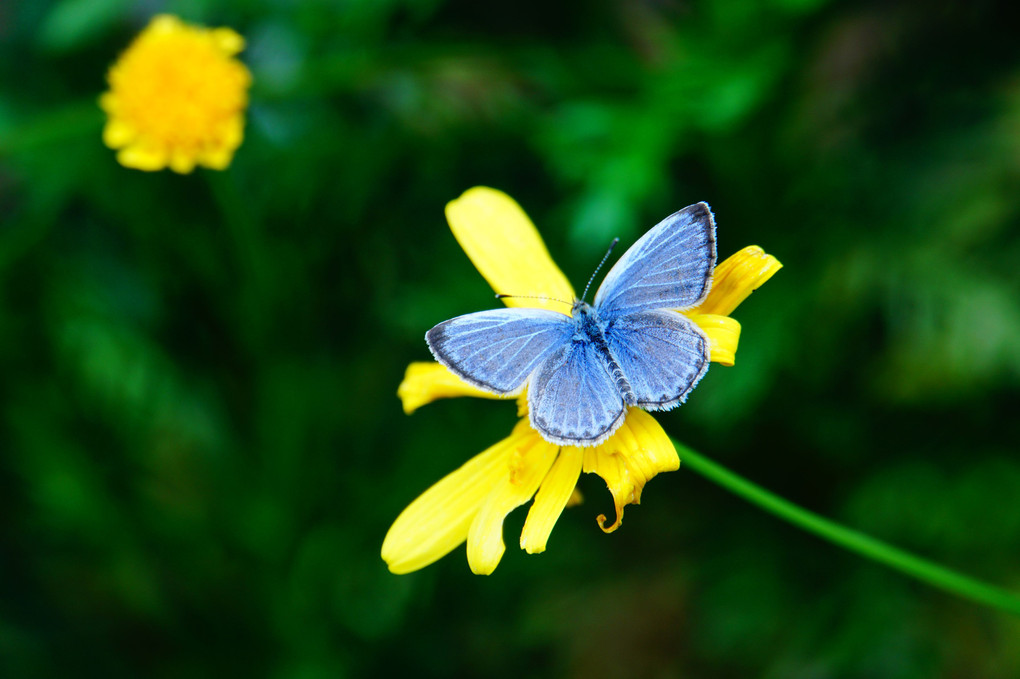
(177, 98)
(472, 502)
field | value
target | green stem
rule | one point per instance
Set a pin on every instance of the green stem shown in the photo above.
(898, 559)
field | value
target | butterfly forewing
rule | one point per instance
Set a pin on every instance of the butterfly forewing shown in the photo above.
(663, 355)
(670, 267)
(497, 350)
(572, 399)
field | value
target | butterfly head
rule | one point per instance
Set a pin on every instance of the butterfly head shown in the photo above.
(580, 308)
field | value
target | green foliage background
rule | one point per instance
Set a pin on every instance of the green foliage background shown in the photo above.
(200, 443)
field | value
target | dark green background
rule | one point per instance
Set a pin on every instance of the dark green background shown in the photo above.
(200, 444)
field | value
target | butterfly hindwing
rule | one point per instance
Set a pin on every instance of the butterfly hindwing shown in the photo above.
(572, 399)
(662, 353)
(670, 267)
(497, 350)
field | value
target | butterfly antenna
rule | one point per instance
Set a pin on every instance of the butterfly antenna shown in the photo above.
(596, 272)
(544, 298)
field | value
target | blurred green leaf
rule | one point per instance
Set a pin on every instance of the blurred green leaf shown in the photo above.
(70, 24)
(201, 444)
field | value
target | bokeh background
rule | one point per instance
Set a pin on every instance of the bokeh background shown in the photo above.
(201, 448)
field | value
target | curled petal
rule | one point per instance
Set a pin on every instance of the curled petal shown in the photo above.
(639, 450)
(736, 278)
(439, 519)
(427, 381)
(556, 492)
(507, 250)
(529, 463)
(723, 336)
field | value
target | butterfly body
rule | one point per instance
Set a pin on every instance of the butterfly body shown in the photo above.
(590, 329)
(630, 348)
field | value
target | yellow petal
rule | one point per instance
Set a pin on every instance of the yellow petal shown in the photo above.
(723, 336)
(557, 490)
(140, 157)
(165, 23)
(522, 404)
(736, 278)
(228, 41)
(216, 158)
(507, 250)
(182, 162)
(529, 464)
(425, 382)
(439, 519)
(108, 102)
(232, 133)
(117, 133)
(639, 450)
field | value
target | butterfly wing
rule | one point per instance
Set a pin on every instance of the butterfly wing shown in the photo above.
(572, 399)
(497, 350)
(670, 267)
(662, 353)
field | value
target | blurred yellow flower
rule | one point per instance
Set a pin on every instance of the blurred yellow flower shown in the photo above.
(471, 503)
(177, 98)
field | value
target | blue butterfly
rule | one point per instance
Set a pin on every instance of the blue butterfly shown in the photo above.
(631, 348)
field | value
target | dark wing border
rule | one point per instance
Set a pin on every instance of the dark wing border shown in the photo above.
(670, 267)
